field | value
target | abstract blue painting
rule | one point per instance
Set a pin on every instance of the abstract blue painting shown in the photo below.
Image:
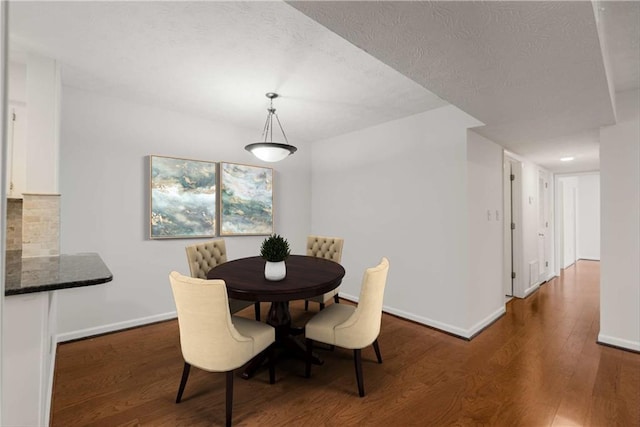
(183, 198)
(246, 199)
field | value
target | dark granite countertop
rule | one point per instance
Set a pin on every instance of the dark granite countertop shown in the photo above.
(27, 275)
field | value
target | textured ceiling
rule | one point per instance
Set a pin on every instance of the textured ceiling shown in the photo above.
(217, 60)
(584, 147)
(531, 71)
(621, 22)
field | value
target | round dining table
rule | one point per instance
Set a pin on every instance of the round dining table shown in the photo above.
(306, 277)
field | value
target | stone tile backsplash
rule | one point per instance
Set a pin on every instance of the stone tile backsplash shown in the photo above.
(14, 224)
(40, 225)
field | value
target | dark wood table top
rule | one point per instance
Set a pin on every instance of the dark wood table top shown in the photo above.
(306, 277)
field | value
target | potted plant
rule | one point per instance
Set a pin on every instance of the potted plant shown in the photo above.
(275, 249)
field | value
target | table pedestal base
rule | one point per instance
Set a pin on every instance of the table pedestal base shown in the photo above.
(280, 318)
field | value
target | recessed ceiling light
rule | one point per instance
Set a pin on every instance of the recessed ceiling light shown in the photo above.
(566, 159)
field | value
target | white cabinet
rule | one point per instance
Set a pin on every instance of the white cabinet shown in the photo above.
(28, 330)
(16, 147)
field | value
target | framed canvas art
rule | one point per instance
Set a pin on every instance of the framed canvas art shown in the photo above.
(183, 198)
(246, 200)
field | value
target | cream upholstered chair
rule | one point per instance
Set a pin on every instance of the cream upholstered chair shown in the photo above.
(203, 257)
(352, 327)
(211, 339)
(328, 248)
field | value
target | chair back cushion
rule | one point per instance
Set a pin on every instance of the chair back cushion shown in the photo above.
(208, 338)
(325, 247)
(363, 327)
(204, 256)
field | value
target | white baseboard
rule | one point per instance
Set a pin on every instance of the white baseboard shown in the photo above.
(531, 290)
(49, 391)
(103, 329)
(460, 332)
(619, 342)
(478, 327)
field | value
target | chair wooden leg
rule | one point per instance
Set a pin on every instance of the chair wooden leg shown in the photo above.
(357, 358)
(321, 306)
(376, 347)
(183, 381)
(336, 299)
(272, 365)
(307, 368)
(306, 305)
(229, 397)
(256, 308)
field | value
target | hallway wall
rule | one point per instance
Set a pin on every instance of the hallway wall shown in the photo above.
(399, 190)
(588, 221)
(620, 198)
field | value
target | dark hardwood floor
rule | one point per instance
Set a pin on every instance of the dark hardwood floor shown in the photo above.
(538, 365)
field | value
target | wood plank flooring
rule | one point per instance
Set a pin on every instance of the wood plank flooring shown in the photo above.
(539, 365)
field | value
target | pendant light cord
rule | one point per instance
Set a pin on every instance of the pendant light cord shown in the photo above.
(268, 125)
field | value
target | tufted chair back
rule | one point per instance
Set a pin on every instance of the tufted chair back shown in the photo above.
(204, 256)
(325, 247)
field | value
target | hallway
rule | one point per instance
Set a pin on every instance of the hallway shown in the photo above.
(538, 365)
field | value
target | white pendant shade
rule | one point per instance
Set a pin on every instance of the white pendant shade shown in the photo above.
(270, 152)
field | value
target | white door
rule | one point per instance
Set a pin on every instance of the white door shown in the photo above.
(512, 197)
(569, 221)
(16, 151)
(508, 235)
(544, 216)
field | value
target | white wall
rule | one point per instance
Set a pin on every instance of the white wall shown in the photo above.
(399, 190)
(4, 38)
(28, 356)
(569, 220)
(105, 145)
(588, 217)
(43, 104)
(620, 201)
(17, 90)
(485, 216)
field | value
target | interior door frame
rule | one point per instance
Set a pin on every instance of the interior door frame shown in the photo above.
(512, 241)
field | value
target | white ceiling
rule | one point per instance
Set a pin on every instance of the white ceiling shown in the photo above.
(533, 72)
(621, 22)
(217, 60)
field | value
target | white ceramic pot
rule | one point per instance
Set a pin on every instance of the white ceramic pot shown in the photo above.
(274, 271)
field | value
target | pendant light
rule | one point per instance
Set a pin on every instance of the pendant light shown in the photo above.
(270, 151)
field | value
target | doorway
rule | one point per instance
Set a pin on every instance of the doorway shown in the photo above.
(567, 189)
(577, 218)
